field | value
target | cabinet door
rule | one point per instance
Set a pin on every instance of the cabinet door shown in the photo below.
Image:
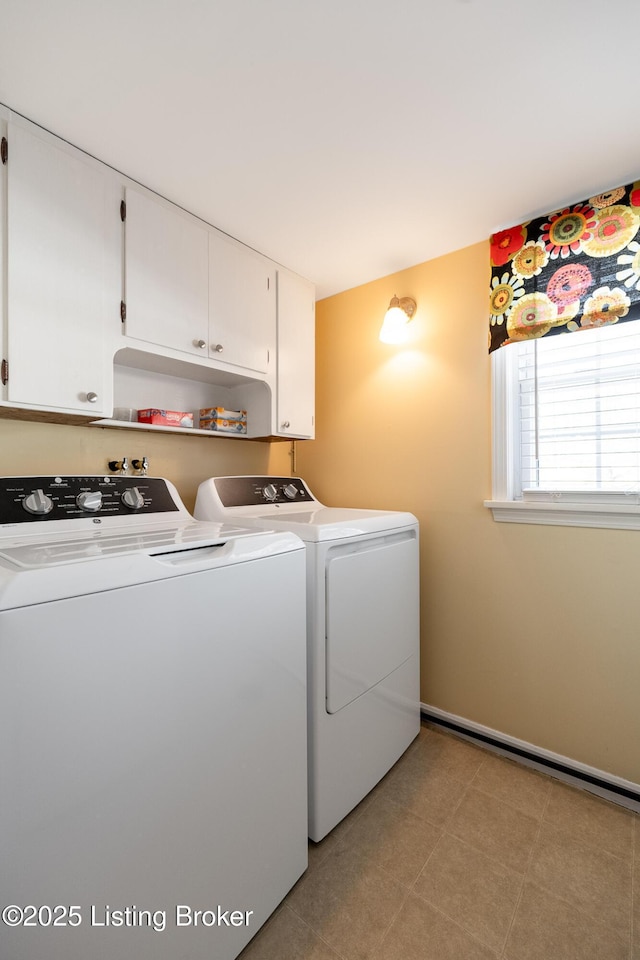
(242, 304)
(166, 275)
(58, 255)
(296, 356)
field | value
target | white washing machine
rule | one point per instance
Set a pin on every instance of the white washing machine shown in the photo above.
(362, 631)
(153, 796)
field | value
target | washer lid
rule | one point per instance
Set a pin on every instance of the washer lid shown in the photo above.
(54, 550)
(41, 572)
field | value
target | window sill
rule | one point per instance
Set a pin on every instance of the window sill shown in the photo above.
(614, 516)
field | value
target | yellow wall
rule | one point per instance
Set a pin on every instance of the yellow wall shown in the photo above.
(530, 630)
(36, 448)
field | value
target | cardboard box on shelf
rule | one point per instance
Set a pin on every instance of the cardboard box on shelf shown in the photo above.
(220, 413)
(166, 418)
(223, 426)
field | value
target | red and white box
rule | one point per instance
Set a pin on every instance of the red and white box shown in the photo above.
(166, 418)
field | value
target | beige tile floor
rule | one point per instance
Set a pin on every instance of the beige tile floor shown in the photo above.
(462, 855)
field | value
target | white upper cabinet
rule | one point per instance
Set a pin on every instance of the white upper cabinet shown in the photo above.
(197, 305)
(242, 304)
(189, 287)
(166, 275)
(61, 251)
(296, 356)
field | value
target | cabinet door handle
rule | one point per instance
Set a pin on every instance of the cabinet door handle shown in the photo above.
(217, 347)
(200, 343)
(91, 397)
(285, 425)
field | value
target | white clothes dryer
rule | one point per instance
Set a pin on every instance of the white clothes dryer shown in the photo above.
(153, 795)
(362, 631)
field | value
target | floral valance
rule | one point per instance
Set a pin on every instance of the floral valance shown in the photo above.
(573, 269)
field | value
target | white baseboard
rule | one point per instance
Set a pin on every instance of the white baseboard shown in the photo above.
(624, 792)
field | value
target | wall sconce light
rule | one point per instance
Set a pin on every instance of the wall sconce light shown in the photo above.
(394, 325)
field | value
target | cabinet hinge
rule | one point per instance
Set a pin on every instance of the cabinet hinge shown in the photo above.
(4, 372)
(123, 211)
(123, 311)
(4, 149)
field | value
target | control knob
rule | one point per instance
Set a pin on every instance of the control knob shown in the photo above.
(89, 500)
(270, 492)
(290, 491)
(132, 498)
(38, 503)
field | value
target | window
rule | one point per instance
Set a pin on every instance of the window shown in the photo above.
(567, 429)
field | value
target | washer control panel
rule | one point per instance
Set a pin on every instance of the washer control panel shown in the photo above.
(254, 491)
(24, 499)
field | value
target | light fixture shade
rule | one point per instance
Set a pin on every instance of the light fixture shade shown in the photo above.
(394, 325)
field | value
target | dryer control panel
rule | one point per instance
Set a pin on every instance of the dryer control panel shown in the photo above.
(28, 499)
(256, 491)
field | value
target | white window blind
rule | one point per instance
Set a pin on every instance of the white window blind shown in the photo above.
(579, 414)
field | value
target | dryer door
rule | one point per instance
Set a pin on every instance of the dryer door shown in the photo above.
(372, 613)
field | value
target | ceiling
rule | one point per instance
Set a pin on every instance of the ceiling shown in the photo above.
(346, 139)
